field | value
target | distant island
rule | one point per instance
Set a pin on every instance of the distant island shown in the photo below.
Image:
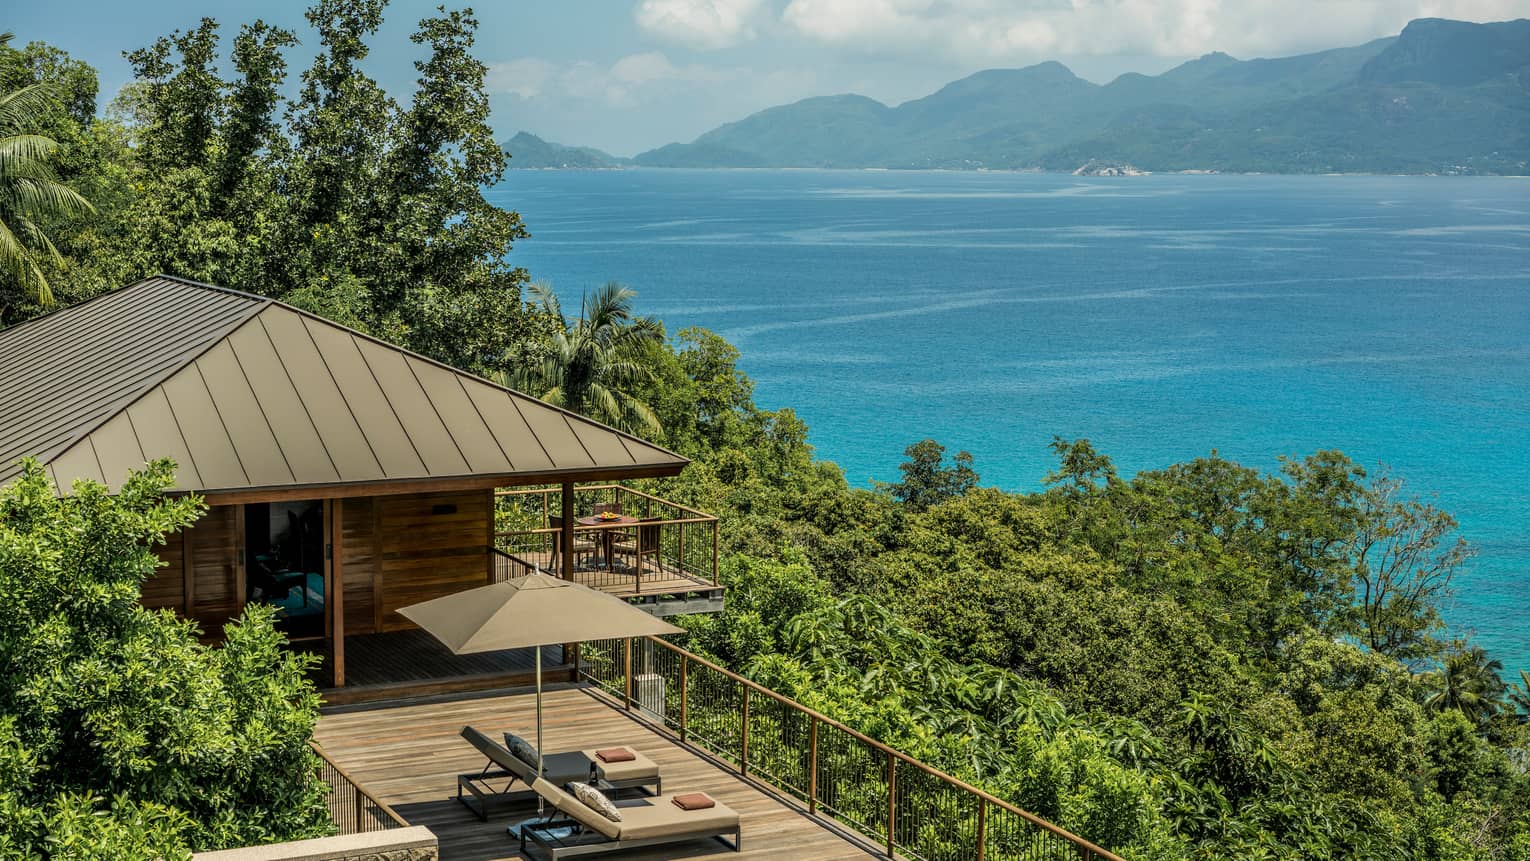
(1441, 97)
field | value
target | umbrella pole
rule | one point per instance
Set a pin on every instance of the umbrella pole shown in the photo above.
(516, 829)
(540, 800)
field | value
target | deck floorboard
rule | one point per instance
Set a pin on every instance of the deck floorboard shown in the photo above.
(410, 753)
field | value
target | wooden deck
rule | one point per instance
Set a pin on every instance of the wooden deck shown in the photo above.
(409, 755)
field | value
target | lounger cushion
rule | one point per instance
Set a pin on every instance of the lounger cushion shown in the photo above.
(596, 801)
(575, 809)
(521, 749)
(574, 765)
(646, 818)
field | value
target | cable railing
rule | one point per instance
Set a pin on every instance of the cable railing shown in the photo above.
(661, 547)
(907, 808)
(351, 807)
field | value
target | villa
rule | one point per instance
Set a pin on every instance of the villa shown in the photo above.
(347, 478)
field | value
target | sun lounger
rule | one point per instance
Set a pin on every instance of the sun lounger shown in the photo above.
(651, 821)
(637, 773)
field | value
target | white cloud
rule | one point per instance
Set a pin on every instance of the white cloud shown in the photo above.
(704, 24)
(977, 32)
(639, 79)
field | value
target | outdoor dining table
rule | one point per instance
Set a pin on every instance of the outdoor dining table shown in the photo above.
(607, 536)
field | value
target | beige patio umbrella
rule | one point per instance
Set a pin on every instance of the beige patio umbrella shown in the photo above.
(531, 612)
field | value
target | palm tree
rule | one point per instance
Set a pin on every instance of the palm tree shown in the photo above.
(1467, 681)
(595, 361)
(1519, 695)
(30, 194)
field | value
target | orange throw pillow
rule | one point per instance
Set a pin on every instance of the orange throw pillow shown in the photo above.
(694, 801)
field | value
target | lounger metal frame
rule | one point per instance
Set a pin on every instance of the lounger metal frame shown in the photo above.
(587, 842)
(477, 783)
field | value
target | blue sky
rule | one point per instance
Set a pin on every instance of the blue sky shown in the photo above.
(628, 75)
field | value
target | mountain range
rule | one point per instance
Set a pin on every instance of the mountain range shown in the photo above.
(1441, 97)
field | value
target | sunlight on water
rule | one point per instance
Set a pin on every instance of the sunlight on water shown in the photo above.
(1162, 317)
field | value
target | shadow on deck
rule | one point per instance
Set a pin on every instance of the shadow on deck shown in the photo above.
(412, 663)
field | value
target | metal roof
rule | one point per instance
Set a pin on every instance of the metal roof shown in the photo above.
(248, 394)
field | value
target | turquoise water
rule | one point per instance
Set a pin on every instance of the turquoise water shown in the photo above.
(1162, 317)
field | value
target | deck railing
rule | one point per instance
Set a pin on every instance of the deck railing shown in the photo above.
(906, 807)
(687, 547)
(352, 808)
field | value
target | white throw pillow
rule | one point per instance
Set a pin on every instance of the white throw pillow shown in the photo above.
(596, 801)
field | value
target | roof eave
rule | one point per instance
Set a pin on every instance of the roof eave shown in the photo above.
(436, 484)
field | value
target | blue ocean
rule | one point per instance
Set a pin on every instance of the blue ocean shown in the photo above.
(1162, 317)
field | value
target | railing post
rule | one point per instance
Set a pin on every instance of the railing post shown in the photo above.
(359, 804)
(714, 552)
(682, 547)
(684, 694)
(743, 739)
(892, 801)
(982, 833)
(627, 673)
(812, 764)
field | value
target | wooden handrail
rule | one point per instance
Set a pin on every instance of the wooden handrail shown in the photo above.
(360, 789)
(595, 487)
(590, 527)
(1102, 853)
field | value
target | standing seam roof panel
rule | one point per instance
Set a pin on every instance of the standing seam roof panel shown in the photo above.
(117, 450)
(512, 432)
(336, 425)
(153, 421)
(209, 443)
(251, 434)
(461, 418)
(555, 434)
(374, 415)
(65, 373)
(282, 408)
(414, 409)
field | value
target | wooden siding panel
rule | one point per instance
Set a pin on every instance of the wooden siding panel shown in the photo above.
(426, 554)
(166, 588)
(215, 546)
(359, 564)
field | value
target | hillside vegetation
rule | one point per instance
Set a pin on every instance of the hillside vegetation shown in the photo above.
(1441, 97)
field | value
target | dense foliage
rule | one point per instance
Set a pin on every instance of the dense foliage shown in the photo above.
(1199, 661)
(121, 735)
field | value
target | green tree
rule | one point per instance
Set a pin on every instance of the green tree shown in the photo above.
(116, 724)
(1405, 561)
(1468, 681)
(595, 364)
(928, 479)
(30, 193)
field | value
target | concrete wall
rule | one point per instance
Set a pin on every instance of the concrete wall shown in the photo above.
(398, 844)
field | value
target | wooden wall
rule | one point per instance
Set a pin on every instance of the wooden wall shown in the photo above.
(209, 588)
(395, 551)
